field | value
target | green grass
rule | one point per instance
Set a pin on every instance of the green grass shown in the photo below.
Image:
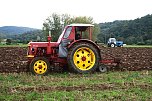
(13, 45)
(127, 85)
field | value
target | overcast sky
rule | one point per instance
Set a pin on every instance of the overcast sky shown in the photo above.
(32, 13)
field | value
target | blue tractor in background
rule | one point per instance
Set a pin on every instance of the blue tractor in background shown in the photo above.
(113, 43)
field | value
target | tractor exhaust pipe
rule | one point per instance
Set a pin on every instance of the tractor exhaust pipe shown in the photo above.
(49, 37)
(49, 44)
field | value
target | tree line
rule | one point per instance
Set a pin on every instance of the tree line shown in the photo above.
(55, 23)
(138, 31)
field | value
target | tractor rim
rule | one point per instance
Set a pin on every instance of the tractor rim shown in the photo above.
(112, 45)
(84, 58)
(40, 67)
(102, 68)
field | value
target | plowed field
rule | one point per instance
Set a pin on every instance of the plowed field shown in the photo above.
(13, 59)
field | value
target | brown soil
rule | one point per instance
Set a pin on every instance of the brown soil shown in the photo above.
(13, 59)
(62, 88)
(130, 58)
(94, 87)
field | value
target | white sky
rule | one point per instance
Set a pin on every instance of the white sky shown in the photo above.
(32, 13)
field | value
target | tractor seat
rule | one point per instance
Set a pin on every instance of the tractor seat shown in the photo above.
(77, 36)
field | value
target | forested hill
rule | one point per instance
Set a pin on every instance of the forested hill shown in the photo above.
(14, 30)
(138, 31)
(36, 35)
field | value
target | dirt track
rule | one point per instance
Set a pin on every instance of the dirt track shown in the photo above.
(13, 59)
(95, 87)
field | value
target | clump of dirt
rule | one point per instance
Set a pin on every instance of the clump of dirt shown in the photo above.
(63, 88)
(130, 58)
(94, 87)
(13, 59)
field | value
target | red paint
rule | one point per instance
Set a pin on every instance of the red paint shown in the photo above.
(50, 49)
(83, 58)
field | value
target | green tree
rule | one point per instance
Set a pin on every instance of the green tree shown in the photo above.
(0, 38)
(82, 19)
(8, 41)
(96, 32)
(86, 20)
(138, 31)
(53, 24)
(65, 20)
(56, 22)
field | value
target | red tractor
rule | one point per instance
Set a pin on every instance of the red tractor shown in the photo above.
(73, 49)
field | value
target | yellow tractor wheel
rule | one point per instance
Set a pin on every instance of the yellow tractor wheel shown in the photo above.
(39, 66)
(83, 58)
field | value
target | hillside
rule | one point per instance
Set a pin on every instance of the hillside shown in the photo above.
(138, 31)
(36, 35)
(8, 31)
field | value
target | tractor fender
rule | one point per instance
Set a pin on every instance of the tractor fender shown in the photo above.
(87, 41)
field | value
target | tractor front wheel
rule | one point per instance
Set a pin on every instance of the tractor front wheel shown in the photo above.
(39, 66)
(112, 45)
(83, 58)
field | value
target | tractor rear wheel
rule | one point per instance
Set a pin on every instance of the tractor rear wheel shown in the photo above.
(39, 66)
(83, 58)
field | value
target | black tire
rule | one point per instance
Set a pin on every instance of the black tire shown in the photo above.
(102, 68)
(112, 45)
(109, 45)
(40, 71)
(73, 49)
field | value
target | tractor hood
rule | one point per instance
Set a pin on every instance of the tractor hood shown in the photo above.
(42, 44)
